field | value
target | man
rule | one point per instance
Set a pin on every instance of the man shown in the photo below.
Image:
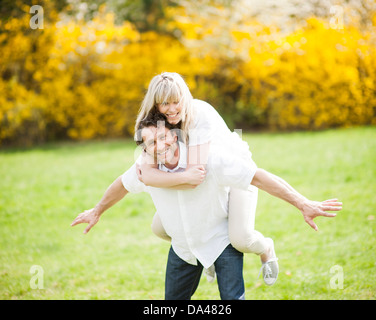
(196, 219)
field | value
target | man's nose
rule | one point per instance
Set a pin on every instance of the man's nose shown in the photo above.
(161, 145)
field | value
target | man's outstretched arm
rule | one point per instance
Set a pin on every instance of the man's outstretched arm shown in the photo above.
(278, 187)
(113, 194)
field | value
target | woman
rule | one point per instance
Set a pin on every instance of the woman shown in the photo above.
(203, 128)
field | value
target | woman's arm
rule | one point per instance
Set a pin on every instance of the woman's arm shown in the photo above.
(194, 174)
(187, 179)
(198, 155)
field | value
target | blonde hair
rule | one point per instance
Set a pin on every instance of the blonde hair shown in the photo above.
(168, 87)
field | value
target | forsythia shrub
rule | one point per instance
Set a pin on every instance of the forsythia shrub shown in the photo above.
(320, 78)
(315, 77)
(86, 79)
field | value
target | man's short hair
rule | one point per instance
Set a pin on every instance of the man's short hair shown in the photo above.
(153, 119)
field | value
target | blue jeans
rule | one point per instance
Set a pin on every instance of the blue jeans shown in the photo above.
(182, 278)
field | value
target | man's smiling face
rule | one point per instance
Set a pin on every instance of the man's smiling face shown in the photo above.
(161, 144)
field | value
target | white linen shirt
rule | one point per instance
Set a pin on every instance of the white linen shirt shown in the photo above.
(197, 219)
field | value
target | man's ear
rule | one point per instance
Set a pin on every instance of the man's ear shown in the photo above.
(174, 134)
(142, 146)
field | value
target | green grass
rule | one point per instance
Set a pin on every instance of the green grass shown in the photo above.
(44, 188)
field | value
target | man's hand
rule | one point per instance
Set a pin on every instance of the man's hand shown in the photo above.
(278, 187)
(88, 216)
(312, 209)
(195, 175)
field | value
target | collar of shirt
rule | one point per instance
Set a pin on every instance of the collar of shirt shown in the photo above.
(182, 164)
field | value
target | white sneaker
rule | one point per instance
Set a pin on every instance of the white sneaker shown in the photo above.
(210, 273)
(270, 268)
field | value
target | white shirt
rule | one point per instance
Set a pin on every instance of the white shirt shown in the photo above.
(197, 219)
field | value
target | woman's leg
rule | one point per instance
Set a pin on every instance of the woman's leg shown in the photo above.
(242, 211)
(158, 229)
(244, 237)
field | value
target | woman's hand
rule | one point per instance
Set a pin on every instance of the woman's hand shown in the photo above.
(195, 175)
(147, 162)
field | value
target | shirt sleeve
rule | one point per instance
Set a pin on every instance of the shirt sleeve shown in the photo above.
(201, 132)
(208, 124)
(232, 171)
(130, 181)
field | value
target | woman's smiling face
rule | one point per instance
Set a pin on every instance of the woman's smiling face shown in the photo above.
(171, 110)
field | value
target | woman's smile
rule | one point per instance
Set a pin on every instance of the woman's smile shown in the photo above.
(172, 116)
(172, 111)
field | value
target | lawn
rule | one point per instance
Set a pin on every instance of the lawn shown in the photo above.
(44, 188)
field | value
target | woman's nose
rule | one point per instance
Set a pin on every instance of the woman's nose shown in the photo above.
(172, 107)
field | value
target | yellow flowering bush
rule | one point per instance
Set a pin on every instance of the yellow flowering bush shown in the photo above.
(319, 78)
(82, 79)
(85, 80)
(315, 77)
